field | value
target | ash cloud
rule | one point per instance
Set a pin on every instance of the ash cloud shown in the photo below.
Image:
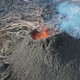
(70, 18)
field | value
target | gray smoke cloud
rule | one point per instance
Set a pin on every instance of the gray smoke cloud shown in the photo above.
(70, 18)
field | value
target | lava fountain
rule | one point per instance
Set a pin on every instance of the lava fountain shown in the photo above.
(43, 32)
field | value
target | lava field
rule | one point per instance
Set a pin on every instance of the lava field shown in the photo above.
(39, 39)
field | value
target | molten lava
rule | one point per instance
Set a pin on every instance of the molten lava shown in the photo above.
(36, 35)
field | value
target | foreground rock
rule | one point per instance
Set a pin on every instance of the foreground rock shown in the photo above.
(54, 58)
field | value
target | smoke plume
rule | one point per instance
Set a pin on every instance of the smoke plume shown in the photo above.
(70, 18)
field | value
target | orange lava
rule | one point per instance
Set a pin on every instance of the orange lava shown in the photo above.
(36, 35)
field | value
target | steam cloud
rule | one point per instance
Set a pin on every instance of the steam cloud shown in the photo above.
(70, 20)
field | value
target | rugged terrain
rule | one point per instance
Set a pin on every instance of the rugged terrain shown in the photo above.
(53, 58)
(23, 58)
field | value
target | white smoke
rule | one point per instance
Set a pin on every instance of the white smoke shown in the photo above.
(71, 24)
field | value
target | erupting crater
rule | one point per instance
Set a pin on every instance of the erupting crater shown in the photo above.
(43, 32)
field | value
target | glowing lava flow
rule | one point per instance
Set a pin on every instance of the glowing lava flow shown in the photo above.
(36, 35)
(39, 35)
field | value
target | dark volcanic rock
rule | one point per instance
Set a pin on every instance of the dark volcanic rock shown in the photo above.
(19, 6)
(54, 58)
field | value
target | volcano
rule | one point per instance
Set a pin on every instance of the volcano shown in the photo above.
(44, 32)
(30, 47)
(53, 58)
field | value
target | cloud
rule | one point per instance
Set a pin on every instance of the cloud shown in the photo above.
(71, 24)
